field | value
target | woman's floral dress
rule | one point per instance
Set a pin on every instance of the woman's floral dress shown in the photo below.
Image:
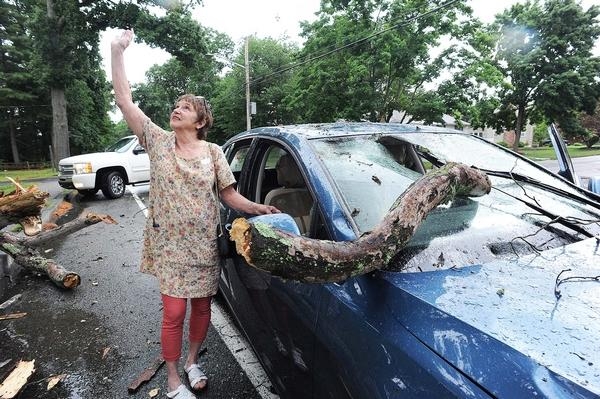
(180, 246)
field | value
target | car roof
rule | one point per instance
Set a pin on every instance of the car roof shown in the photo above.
(323, 130)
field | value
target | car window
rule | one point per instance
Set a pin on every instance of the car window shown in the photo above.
(237, 158)
(282, 184)
(120, 146)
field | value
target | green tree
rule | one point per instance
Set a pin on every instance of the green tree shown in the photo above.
(23, 116)
(592, 124)
(545, 52)
(66, 36)
(195, 72)
(364, 59)
(269, 61)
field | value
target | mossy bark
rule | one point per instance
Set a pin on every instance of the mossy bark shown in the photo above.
(317, 261)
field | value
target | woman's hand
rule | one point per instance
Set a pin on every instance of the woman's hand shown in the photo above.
(122, 41)
(240, 203)
(266, 209)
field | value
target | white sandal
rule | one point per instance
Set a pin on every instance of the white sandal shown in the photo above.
(196, 375)
(181, 393)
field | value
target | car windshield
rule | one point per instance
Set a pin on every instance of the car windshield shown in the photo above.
(371, 172)
(120, 146)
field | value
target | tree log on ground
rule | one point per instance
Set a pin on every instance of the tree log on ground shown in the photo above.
(24, 206)
(310, 260)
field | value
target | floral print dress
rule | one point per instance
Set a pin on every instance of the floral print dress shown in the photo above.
(180, 246)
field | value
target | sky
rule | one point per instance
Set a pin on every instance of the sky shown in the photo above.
(261, 18)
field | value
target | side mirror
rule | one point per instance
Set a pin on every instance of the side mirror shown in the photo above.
(281, 221)
(138, 149)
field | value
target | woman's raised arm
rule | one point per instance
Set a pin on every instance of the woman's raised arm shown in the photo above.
(133, 115)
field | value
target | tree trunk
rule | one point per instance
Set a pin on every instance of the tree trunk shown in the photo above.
(519, 127)
(317, 261)
(60, 128)
(13, 137)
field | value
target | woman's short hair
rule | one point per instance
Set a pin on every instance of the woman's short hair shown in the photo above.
(202, 108)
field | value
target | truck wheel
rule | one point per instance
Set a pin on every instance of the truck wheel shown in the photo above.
(113, 185)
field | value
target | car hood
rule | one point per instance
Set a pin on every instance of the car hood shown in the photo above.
(504, 318)
(100, 157)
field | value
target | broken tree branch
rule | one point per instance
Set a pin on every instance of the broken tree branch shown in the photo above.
(310, 260)
(24, 206)
(31, 259)
(67, 228)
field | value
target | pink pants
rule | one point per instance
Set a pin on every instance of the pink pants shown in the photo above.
(171, 335)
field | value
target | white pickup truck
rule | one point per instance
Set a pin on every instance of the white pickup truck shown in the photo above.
(124, 162)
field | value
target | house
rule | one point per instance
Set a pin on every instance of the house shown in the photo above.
(487, 133)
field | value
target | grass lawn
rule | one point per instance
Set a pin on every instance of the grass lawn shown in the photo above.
(542, 153)
(22, 175)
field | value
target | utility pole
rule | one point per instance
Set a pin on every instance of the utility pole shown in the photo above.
(247, 68)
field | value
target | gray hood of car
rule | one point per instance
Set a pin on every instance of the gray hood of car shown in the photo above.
(514, 301)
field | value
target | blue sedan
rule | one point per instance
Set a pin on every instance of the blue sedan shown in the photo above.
(492, 297)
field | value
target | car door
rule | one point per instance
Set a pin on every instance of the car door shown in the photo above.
(279, 317)
(140, 164)
(565, 163)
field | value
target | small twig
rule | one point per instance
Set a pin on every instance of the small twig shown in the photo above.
(16, 183)
(559, 281)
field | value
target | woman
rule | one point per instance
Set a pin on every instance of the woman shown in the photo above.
(180, 235)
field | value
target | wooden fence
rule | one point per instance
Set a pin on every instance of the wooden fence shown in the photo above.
(24, 165)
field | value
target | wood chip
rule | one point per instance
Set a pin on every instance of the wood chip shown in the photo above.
(9, 302)
(12, 316)
(105, 352)
(15, 381)
(55, 379)
(146, 375)
(154, 392)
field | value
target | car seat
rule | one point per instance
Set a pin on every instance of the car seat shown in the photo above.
(293, 197)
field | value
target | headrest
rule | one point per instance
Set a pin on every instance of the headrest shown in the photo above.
(288, 174)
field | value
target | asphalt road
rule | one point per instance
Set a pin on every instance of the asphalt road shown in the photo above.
(585, 167)
(105, 332)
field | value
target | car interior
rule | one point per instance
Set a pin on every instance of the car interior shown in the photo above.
(282, 185)
(292, 197)
(279, 182)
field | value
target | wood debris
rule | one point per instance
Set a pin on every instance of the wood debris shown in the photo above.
(6, 304)
(16, 380)
(24, 206)
(146, 375)
(11, 316)
(54, 379)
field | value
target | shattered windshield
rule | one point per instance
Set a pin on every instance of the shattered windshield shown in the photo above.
(365, 170)
(371, 172)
